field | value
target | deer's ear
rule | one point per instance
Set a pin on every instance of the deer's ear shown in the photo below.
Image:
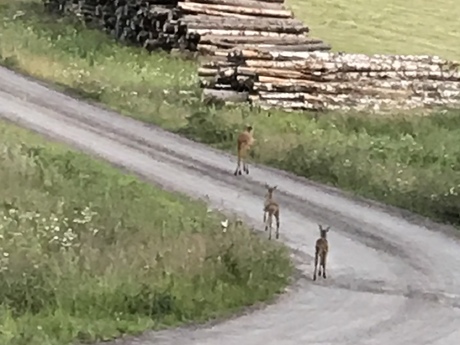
(275, 187)
(320, 227)
(328, 228)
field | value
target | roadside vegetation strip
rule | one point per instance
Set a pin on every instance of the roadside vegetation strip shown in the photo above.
(88, 253)
(404, 160)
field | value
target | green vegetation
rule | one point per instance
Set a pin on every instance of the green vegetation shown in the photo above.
(406, 160)
(389, 27)
(88, 253)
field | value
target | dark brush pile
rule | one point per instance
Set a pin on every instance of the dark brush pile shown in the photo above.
(153, 24)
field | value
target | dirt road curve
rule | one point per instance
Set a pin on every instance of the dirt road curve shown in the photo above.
(390, 282)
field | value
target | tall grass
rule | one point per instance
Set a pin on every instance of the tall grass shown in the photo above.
(88, 253)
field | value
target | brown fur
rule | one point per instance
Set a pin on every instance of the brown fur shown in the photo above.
(321, 250)
(244, 143)
(273, 210)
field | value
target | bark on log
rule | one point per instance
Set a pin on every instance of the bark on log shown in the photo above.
(225, 96)
(272, 1)
(217, 71)
(218, 45)
(223, 32)
(242, 26)
(367, 104)
(243, 3)
(217, 64)
(371, 65)
(217, 13)
(200, 8)
(307, 47)
(280, 40)
(189, 18)
(341, 57)
(448, 88)
(325, 77)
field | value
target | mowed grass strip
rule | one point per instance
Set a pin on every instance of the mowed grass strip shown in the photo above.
(88, 253)
(388, 27)
(406, 160)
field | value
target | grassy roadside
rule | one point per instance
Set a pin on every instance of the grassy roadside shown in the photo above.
(407, 161)
(88, 253)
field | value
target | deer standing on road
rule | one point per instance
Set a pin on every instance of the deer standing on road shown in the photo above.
(244, 143)
(321, 250)
(273, 210)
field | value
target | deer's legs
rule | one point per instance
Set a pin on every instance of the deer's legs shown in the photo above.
(277, 225)
(265, 220)
(245, 167)
(324, 266)
(316, 265)
(238, 167)
(270, 226)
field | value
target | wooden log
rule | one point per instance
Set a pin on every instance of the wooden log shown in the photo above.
(243, 3)
(307, 47)
(243, 26)
(197, 18)
(371, 92)
(371, 65)
(278, 40)
(219, 45)
(217, 13)
(342, 57)
(217, 71)
(368, 103)
(201, 8)
(447, 88)
(350, 76)
(225, 96)
(240, 33)
(217, 63)
(206, 83)
(272, 1)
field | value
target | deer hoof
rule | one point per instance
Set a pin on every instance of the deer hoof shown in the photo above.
(240, 173)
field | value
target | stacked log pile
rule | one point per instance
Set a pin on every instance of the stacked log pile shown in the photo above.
(226, 24)
(331, 81)
(153, 24)
(211, 27)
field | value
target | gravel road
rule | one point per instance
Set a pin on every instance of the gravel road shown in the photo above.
(392, 280)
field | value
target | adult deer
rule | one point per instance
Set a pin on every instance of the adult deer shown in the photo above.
(273, 210)
(244, 143)
(321, 250)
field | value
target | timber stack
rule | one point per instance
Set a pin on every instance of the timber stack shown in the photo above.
(226, 24)
(153, 24)
(211, 27)
(332, 81)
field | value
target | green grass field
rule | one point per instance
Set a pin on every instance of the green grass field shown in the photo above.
(389, 27)
(405, 160)
(88, 253)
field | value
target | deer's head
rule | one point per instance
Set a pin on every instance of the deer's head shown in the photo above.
(323, 231)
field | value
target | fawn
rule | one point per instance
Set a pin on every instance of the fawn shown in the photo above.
(273, 210)
(321, 250)
(244, 142)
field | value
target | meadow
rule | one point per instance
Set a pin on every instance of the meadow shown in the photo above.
(88, 253)
(407, 160)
